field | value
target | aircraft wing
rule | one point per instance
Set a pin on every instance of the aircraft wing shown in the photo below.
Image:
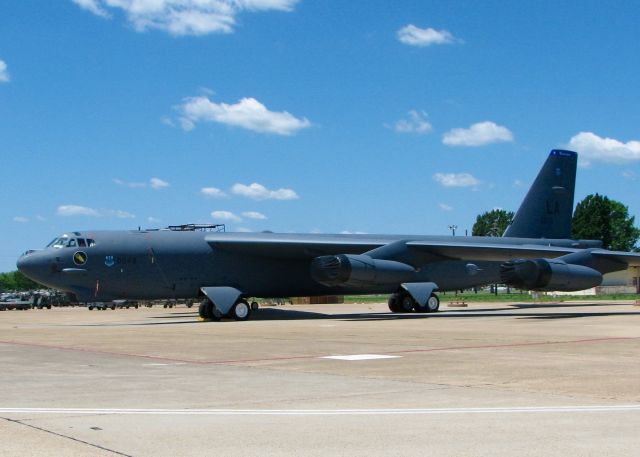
(291, 246)
(486, 251)
(310, 246)
(632, 259)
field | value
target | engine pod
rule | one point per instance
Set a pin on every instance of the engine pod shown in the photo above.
(548, 275)
(358, 270)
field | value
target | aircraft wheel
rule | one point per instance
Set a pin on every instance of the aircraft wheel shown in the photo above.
(407, 303)
(394, 303)
(207, 311)
(433, 304)
(204, 310)
(418, 308)
(241, 311)
(90, 308)
(254, 305)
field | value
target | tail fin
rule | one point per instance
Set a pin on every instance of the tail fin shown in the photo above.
(547, 209)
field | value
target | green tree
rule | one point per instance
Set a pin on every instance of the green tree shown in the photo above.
(492, 223)
(15, 280)
(599, 218)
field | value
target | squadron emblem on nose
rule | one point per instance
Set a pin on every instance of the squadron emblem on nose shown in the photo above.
(79, 258)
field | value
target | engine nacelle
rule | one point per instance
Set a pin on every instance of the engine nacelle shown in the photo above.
(359, 270)
(548, 275)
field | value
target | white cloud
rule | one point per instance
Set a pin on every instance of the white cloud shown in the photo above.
(445, 207)
(592, 148)
(154, 183)
(123, 183)
(257, 191)
(4, 73)
(629, 174)
(157, 183)
(349, 232)
(20, 219)
(153, 220)
(225, 216)
(212, 192)
(92, 6)
(518, 183)
(183, 17)
(243, 230)
(120, 214)
(415, 36)
(76, 210)
(479, 134)
(254, 215)
(417, 123)
(456, 179)
(40, 218)
(248, 113)
(166, 120)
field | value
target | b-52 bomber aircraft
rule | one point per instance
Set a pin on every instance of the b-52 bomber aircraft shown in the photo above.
(223, 269)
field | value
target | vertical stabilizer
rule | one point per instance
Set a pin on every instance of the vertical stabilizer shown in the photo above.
(548, 207)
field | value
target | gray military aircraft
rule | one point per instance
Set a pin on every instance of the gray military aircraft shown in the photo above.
(223, 269)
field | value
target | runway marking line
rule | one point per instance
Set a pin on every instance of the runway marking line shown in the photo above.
(328, 412)
(316, 356)
(356, 357)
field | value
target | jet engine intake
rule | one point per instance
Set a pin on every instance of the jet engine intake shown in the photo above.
(358, 270)
(548, 275)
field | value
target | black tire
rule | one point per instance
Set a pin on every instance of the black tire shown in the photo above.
(204, 310)
(433, 304)
(418, 308)
(90, 308)
(406, 303)
(241, 311)
(394, 303)
(254, 305)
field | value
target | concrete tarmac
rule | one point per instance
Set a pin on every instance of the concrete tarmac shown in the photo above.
(488, 380)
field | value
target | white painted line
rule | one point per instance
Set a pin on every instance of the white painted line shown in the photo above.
(161, 364)
(361, 357)
(328, 412)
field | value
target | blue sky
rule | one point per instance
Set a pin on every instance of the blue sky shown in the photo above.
(305, 116)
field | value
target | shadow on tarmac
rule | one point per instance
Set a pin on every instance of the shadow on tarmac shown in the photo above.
(537, 311)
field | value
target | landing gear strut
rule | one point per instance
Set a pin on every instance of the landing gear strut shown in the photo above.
(402, 302)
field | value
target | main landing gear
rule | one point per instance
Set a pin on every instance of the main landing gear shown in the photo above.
(240, 311)
(402, 302)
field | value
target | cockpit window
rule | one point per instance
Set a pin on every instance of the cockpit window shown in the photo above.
(90, 242)
(62, 242)
(81, 242)
(59, 243)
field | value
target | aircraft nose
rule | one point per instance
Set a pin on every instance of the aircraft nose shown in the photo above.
(32, 265)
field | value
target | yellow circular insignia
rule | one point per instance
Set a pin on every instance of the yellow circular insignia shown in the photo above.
(79, 258)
